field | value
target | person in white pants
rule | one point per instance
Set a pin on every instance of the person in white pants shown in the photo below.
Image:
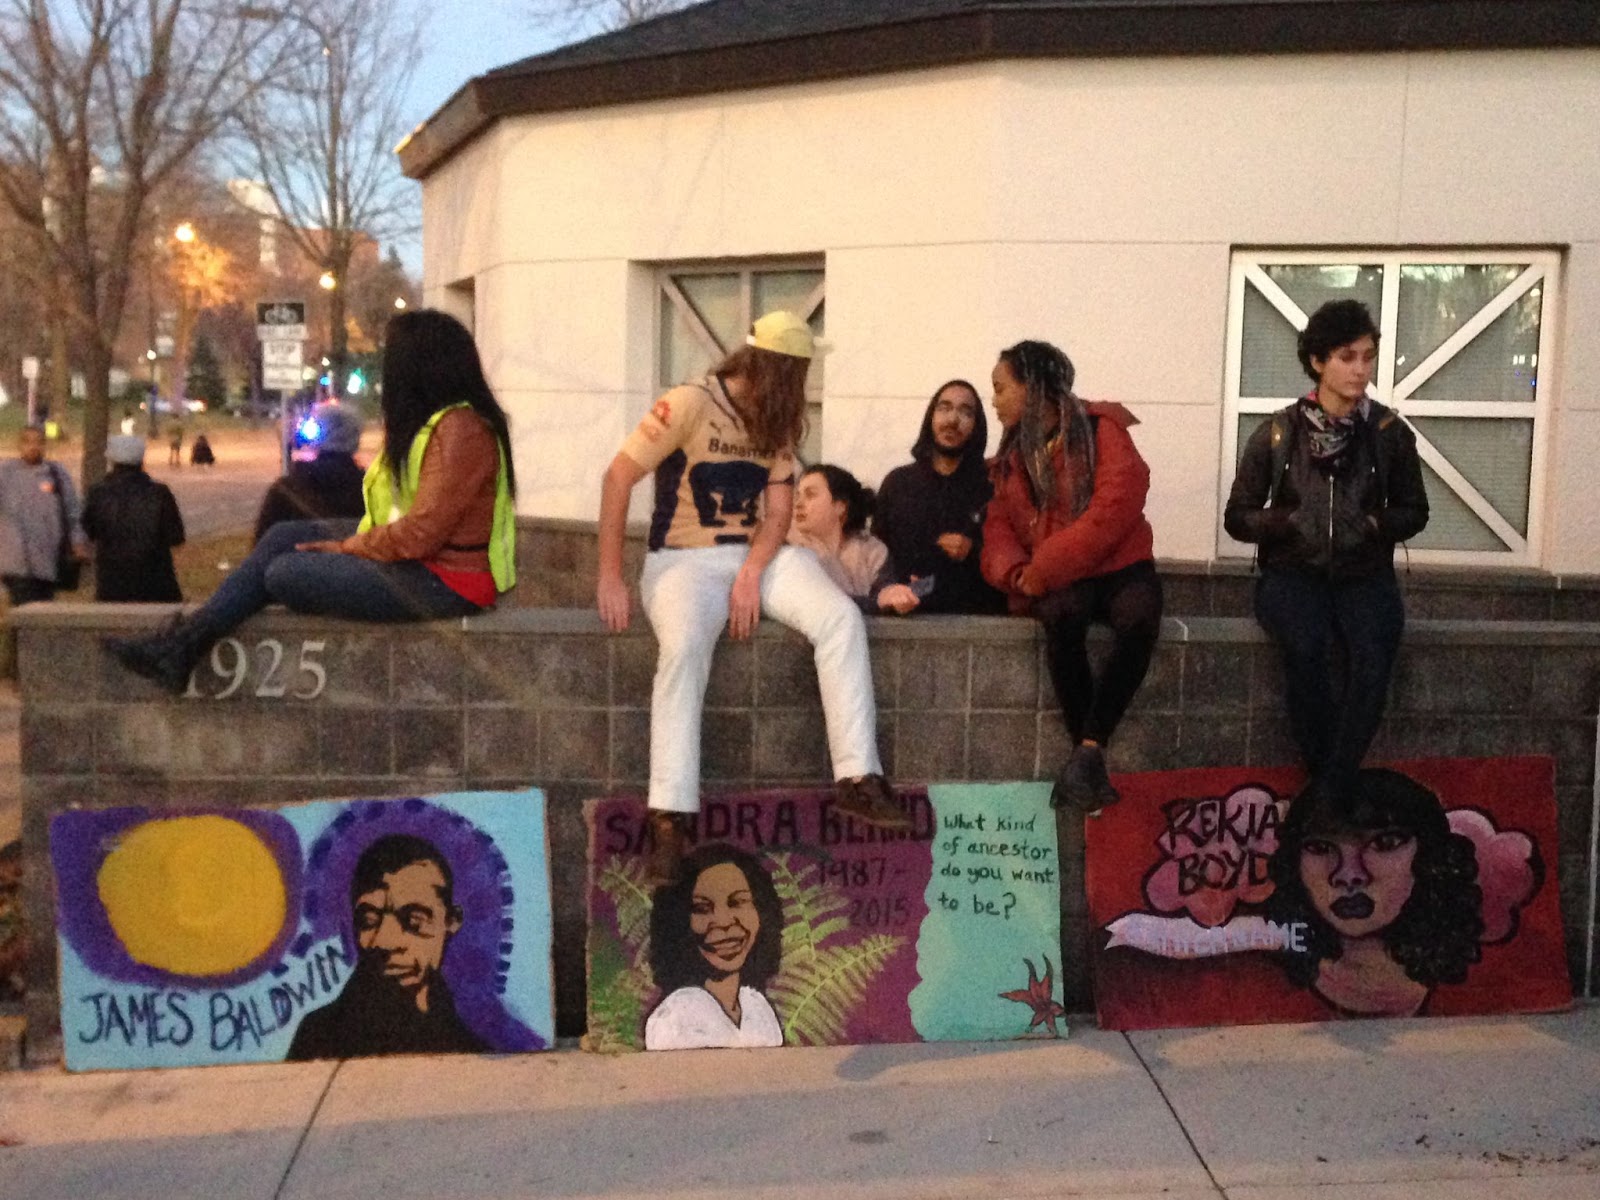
(722, 450)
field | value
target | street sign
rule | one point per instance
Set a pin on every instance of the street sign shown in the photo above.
(281, 320)
(279, 353)
(283, 379)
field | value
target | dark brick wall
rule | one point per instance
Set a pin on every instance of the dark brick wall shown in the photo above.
(546, 697)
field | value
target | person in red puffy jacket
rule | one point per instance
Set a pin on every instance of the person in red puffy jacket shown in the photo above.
(1067, 541)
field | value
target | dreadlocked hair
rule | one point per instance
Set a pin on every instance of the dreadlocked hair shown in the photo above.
(1052, 410)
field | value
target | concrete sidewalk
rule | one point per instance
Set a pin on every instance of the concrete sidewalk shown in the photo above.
(1380, 1110)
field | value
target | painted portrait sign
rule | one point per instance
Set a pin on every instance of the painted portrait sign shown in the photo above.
(1423, 889)
(329, 929)
(793, 925)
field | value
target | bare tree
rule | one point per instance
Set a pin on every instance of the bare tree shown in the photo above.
(101, 103)
(321, 139)
(572, 17)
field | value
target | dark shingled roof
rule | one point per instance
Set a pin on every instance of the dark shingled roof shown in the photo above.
(730, 45)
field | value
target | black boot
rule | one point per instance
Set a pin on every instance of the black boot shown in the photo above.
(669, 842)
(165, 657)
(1083, 783)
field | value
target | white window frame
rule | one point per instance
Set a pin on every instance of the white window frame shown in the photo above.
(1543, 269)
(746, 269)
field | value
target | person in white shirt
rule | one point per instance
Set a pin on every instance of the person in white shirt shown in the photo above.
(716, 938)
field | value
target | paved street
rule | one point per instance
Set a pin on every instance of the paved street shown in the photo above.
(225, 497)
(1376, 1110)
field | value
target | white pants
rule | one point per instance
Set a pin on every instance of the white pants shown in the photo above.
(686, 597)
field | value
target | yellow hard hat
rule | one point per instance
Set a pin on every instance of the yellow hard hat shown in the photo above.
(783, 333)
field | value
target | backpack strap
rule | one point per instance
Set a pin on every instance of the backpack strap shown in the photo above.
(1279, 446)
(1381, 449)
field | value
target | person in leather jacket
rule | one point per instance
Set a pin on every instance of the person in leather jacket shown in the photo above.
(1325, 489)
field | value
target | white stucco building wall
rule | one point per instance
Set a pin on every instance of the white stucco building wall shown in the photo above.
(1093, 203)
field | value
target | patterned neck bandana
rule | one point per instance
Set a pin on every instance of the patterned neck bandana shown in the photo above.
(1330, 437)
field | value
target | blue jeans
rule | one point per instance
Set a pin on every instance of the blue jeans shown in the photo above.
(1307, 615)
(330, 585)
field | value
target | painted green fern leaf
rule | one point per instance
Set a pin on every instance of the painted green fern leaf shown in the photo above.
(622, 880)
(616, 1006)
(813, 909)
(817, 994)
(619, 967)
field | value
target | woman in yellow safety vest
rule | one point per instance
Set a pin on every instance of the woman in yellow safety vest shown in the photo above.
(439, 536)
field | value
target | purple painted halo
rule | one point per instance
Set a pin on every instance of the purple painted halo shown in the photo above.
(80, 841)
(477, 960)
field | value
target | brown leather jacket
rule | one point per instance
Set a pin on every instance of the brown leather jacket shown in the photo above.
(450, 521)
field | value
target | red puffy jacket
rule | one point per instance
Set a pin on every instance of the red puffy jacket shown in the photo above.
(1111, 533)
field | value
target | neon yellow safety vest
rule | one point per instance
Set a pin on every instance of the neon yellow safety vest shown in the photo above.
(384, 506)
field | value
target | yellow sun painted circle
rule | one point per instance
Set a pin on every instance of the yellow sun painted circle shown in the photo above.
(193, 895)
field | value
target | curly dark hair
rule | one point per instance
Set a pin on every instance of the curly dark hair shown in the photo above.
(859, 500)
(675, 959)
(1337, 323)
(1436, 936)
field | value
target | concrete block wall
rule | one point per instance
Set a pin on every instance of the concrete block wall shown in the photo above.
(558, 571)
(546, 697)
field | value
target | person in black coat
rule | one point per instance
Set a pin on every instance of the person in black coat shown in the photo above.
(930, 511)
(1326, 489)
(134, 523)
(328, 486)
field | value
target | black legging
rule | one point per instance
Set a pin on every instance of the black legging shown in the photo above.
(1129, 601)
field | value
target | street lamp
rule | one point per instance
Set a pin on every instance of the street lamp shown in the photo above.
(400, 303)
(327, 282)
(184, 233)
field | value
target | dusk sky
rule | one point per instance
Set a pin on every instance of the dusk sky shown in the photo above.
(466, 38)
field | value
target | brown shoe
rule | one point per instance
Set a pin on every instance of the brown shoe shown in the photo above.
(665, 858)
(869, 800)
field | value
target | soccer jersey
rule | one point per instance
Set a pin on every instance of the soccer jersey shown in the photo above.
(709, 480)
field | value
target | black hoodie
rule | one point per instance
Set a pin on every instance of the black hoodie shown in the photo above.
(916, 505)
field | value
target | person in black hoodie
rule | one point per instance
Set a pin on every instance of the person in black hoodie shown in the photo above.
(1325, 489)
(326, 488)
(134, 523)
(930, 511)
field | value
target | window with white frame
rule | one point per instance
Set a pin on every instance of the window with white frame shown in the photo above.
(1464, 337)
(705, 311)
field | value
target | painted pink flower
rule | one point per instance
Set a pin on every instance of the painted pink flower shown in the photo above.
(1215, 852)
(1508, 870)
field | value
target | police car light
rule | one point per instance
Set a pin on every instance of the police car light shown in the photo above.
(310, 430)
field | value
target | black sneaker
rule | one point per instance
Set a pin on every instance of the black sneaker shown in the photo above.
(1105, 795)
(869, 800)
(1082, 783)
